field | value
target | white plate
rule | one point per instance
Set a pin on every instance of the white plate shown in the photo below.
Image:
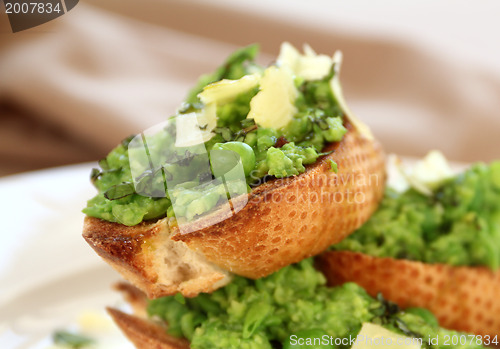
(48, 274)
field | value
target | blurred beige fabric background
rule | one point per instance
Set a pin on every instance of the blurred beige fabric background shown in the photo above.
(423, 76)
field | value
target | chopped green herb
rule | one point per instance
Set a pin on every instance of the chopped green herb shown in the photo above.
(235, 66)
(71, 340)
(333, 166)
(94, 175)
(180, 298)
(127, 141)
(119, 191)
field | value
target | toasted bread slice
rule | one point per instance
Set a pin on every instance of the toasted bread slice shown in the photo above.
(145, 334)
(146, 255)
(284, 221)
(462, 298)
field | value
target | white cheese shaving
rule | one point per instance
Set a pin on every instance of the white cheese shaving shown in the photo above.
(274, 104)
(309, 66)
(428, 173)
(339, 96)
(224, 91)
(374, 336)
(196, 127)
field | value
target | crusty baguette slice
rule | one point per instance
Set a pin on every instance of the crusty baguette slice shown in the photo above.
(462, 298)
(146, 256)
(144, 333)
(284, 221)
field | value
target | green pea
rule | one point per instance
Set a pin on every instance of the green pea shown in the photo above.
(311, 339)
(223, 157)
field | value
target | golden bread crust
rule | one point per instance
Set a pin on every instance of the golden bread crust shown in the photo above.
(462, 298)
(146, 334)
(141, 255)
(133, 296)
(290, 219)
(284, 221)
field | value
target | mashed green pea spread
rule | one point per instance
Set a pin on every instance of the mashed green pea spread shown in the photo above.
(292, 303)
(458, 224)
(275, 120)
